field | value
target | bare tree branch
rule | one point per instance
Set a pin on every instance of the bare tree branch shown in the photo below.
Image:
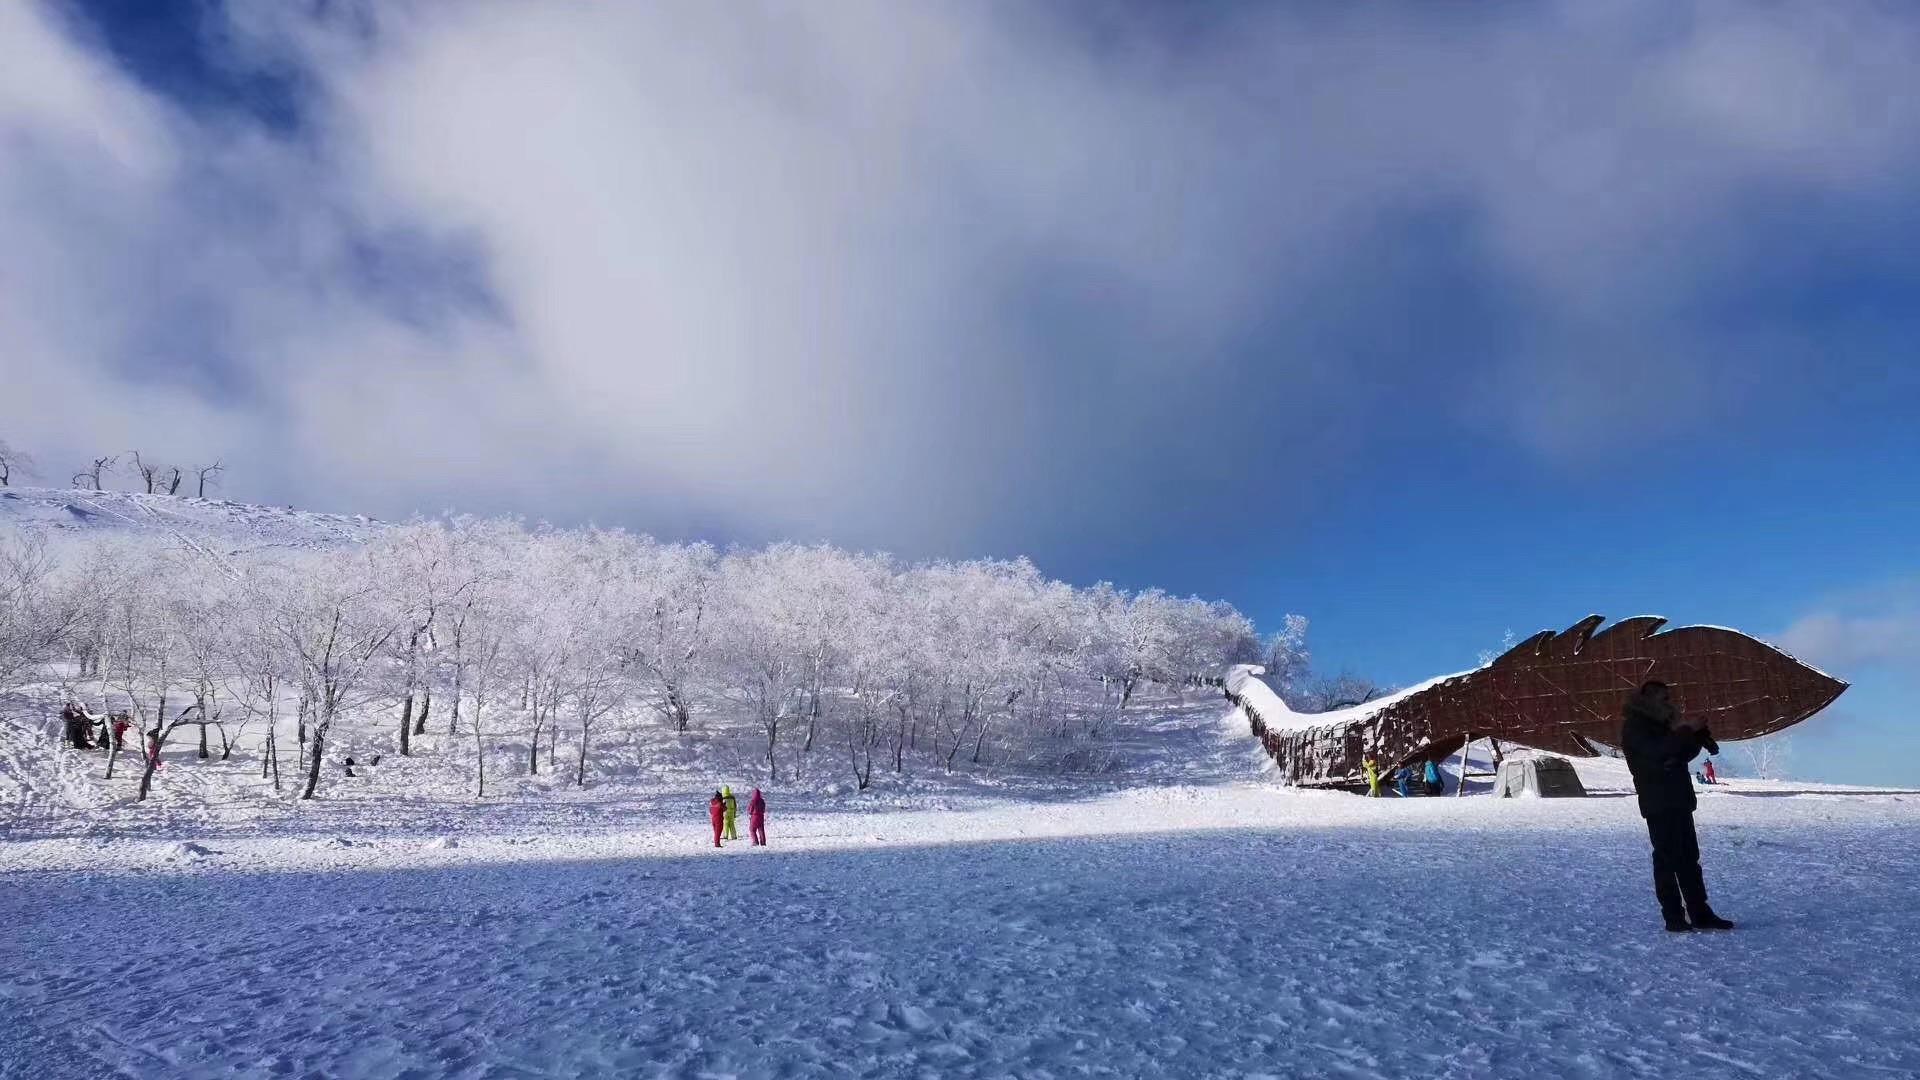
(209, 474)
(90, 478)
(149, 472)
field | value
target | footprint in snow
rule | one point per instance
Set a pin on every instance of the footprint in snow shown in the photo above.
(914, 1019)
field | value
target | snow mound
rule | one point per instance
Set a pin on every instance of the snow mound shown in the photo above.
(443, 843)
(216, 524)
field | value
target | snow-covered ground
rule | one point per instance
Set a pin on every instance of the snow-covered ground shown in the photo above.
(213, 525)
(1194, 920)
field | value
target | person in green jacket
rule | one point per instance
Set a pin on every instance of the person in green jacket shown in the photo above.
(1373, 775)
(733, 810)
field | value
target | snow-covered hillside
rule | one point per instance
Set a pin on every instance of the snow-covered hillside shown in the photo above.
(215, 524)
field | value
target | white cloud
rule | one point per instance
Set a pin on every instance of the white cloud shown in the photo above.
(1877, 628)
(872, 266)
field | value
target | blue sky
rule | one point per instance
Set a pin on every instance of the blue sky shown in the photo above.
(1424, 324)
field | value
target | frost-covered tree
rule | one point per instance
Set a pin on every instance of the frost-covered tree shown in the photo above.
(144, 652)
(836, 661)
(666, 620)
(31, 627)
(421, 571)
(596, 677)
(263, 663)
(201, 603)
(1287, 660)
(14, 464)
(336, 621)
(760, 634)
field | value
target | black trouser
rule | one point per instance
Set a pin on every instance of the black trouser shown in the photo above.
(1677, 880)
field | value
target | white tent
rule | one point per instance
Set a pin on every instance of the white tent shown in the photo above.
(1541, 775)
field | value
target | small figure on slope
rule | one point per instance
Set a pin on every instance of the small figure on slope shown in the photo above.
(1372, 768)
(733, 812)
(1707, 771)
(717, 813)
(757, 819)
(1659, 745)
(1402, 776)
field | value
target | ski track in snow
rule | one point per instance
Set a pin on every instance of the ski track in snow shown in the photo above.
(1233, 930)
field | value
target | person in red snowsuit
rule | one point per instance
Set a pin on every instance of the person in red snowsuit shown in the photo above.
(1712, 778)
(757, 819)
(120, 725)
(717, 812)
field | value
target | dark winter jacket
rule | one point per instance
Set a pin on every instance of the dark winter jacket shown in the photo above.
(1658, 754)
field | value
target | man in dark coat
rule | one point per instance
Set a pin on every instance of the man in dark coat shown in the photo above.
(1659, 744)
(79, 726)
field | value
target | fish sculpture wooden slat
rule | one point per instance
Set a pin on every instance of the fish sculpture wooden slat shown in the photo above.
(1561, 692)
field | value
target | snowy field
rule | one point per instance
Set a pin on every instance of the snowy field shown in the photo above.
(1184, 927)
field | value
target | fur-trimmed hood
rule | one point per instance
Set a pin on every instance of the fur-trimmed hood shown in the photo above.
(1645, 706)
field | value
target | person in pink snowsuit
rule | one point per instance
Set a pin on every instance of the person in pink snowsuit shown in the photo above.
(757, 819)
(717, 813)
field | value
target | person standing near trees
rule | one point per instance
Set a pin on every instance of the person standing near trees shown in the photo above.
(1660, 744)
(717, 814)
(733, 812)
(757, 819)
(79, 725)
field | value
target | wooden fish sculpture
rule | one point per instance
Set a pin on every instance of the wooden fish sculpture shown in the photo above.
(1561, 692)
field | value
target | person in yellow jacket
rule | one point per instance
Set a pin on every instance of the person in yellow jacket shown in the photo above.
(733, 811)
(1373, 778)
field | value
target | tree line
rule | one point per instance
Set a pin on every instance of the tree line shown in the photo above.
(489, 633)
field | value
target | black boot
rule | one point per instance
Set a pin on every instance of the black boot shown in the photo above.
(1693, 887)
(1678, 926)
